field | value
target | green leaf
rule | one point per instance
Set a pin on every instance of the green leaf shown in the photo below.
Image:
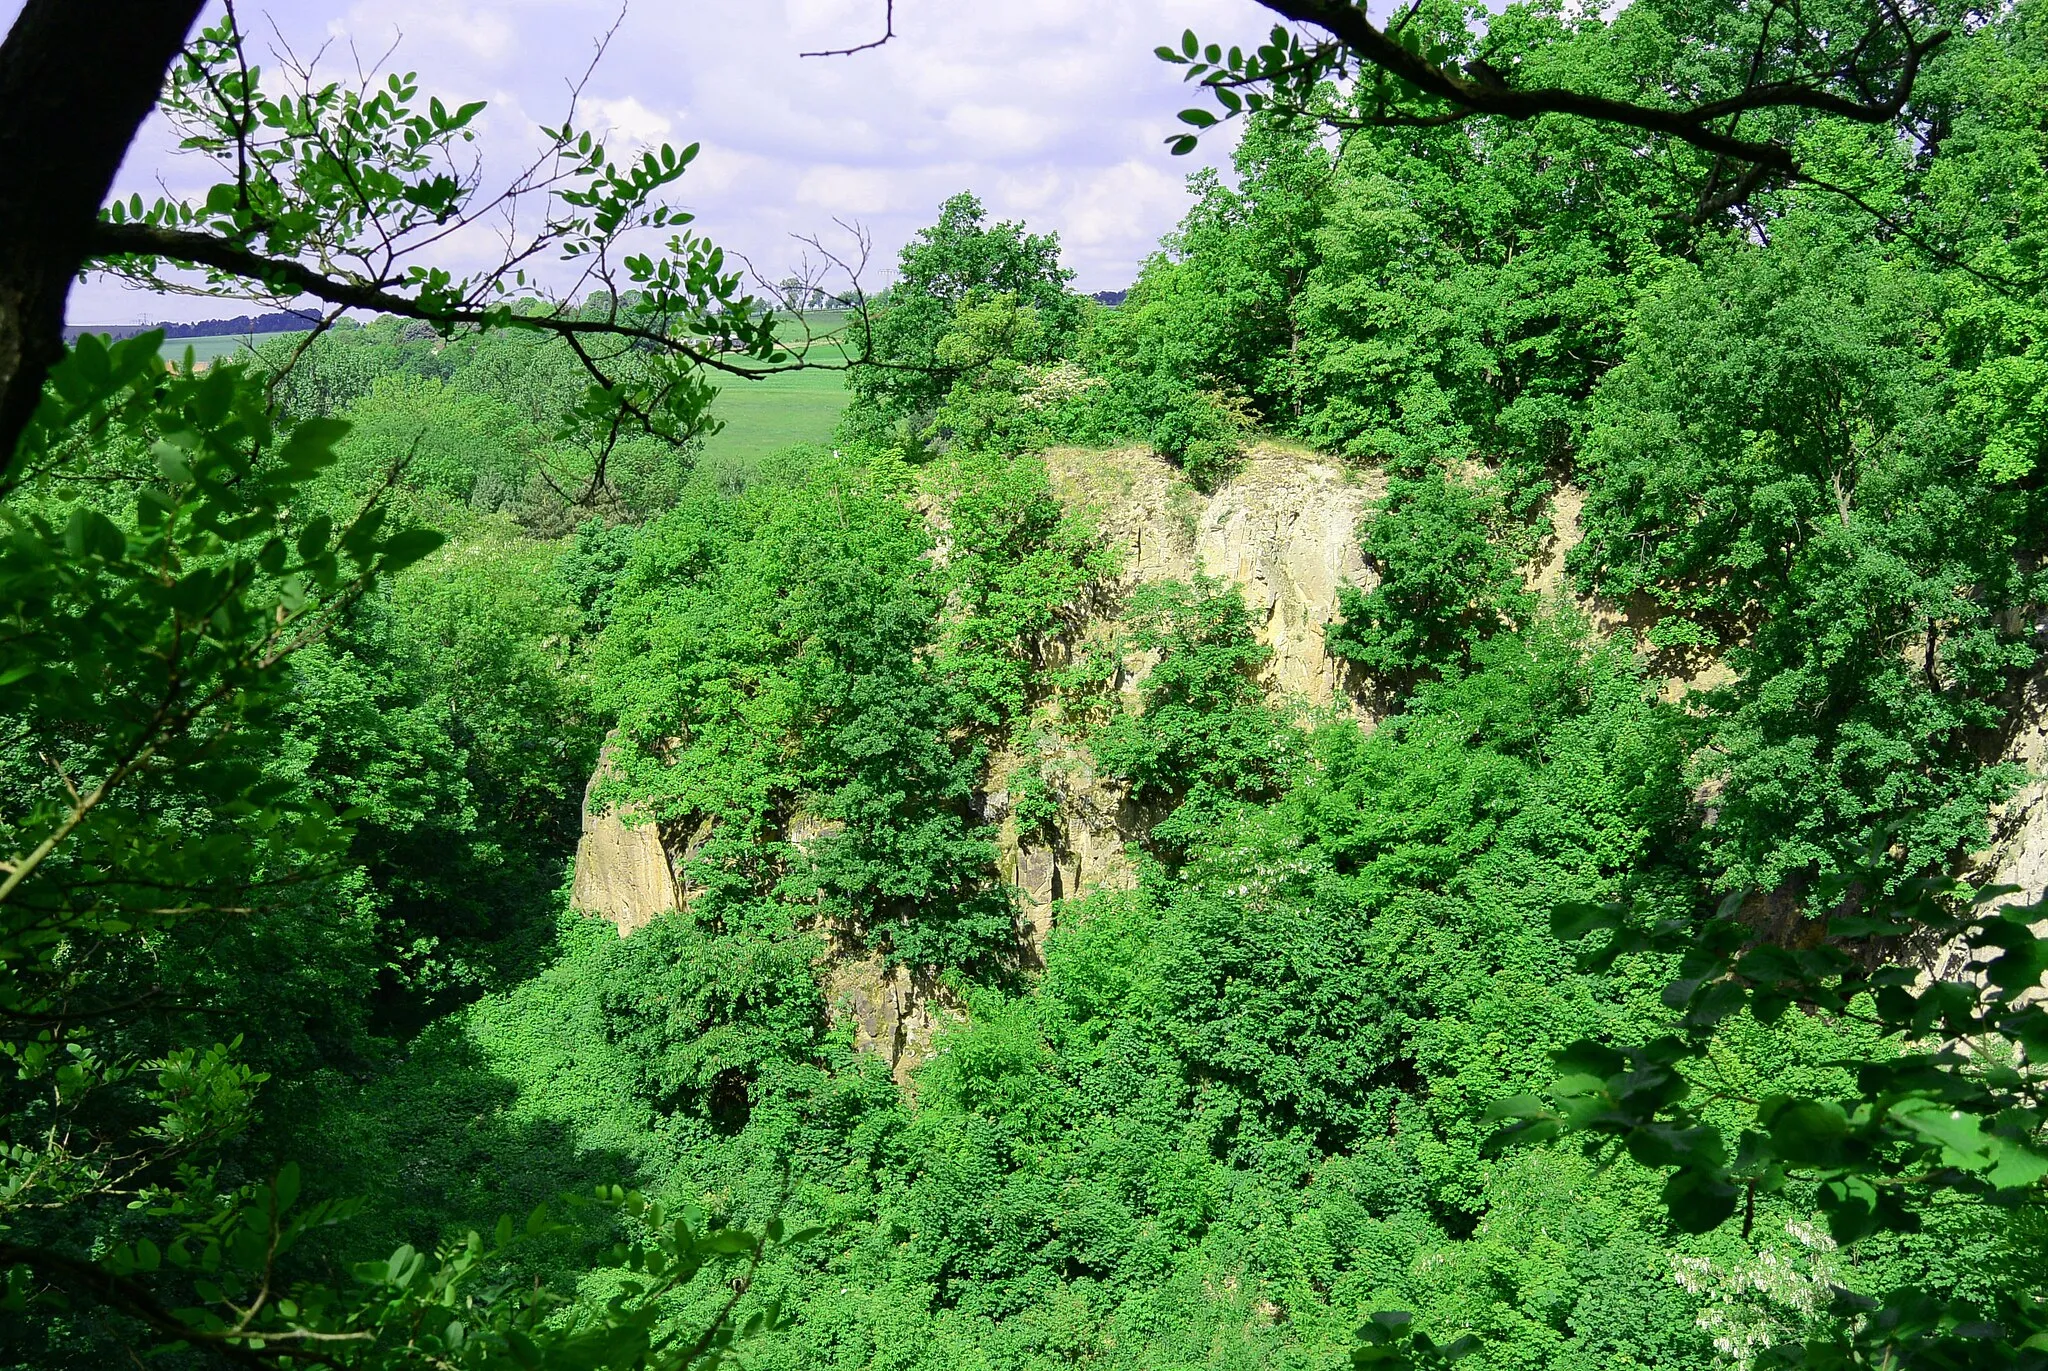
(1678, 994)
(1960, 1135)
(1574, 919)
(171, 462)
(402, 549)
(92, 534)
(1699, 1202)
(1850, 1204)
(2024, 960)
(1806, 1132)
(311, 445)
(1588, 1058)
(2014, 1165)
(313, 537)
(729, 1241)
(1663, 1144)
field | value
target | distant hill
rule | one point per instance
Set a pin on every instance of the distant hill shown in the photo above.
(278, 321)
(1110, 297)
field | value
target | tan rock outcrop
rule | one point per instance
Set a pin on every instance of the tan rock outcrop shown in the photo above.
(1086, 851)
(2018, 852)
(623, 872)
(1284, 530)
(895, 1014)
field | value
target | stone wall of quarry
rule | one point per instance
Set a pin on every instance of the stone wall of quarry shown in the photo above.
(1285, 532)
(623, 871)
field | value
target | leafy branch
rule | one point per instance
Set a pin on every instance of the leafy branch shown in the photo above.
(1958, 1105)
(217, 1284)
(341, 190)
(1863, 71)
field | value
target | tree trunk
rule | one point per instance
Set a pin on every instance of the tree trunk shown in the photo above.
(77, 78)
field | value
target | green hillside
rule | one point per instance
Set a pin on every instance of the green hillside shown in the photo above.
(1457, 780)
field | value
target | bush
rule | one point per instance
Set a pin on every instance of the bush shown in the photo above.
(1445, 585)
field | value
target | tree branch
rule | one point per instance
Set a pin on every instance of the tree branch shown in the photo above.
(285, 275)
(130, 1297)
(888, 32)
(1349, 25)
(77, 77)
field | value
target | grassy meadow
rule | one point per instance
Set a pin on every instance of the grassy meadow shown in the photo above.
(765, 416)
(782, 408)
(207, 351)
(761, 417)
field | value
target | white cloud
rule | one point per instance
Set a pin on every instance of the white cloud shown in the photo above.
(486, 34)
(1053, 111)
(627, 120)
(845, 191)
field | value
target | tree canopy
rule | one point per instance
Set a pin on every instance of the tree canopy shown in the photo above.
(1607, 973)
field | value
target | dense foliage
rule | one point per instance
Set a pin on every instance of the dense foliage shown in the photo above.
(1696, 625)
(1446, 581)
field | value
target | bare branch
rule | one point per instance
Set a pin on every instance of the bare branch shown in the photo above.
(888, 32)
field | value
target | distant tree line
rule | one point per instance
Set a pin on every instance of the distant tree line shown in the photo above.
(277, 321)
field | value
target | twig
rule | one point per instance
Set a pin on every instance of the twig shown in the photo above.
(888, 32)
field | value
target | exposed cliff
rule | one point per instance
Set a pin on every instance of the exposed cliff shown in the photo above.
(623, 872)
(2018, 855)
(1285, 532)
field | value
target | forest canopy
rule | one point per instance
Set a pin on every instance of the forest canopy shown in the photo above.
(1609, 968)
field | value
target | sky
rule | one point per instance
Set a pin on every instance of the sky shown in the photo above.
(1052, 111)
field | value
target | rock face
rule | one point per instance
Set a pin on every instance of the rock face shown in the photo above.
(1284, 531)
(2018, 854)
(1085, 852)
(894, 1014)
(623, 871)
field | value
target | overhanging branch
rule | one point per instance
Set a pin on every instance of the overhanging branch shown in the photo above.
(888, 32)
(1350, 26)
(110, 240)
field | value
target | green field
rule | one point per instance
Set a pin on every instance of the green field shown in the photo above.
(207, 351)
(763, 417)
